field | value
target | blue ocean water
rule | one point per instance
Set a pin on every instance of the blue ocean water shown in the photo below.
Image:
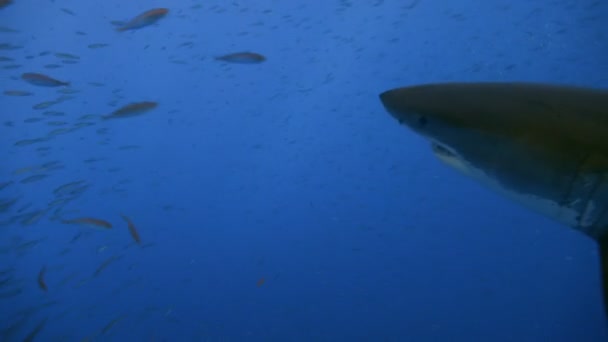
(276, 200)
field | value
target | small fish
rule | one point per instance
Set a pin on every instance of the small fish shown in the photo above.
(68, 11)
(132, 229)
(17, 93)
(71, 189)
(109, 326)
(32, 335)
(64, 55)
(41, 282)
(89, 221)
(4, 29)
(33, 217)
(26, 142)
(5, 184)
(42, 80)
(33, 178)
(105, 264)
(242, 58)
(132, 109)
(145, 19)
(59, 131)
(260, 282)
(9, 46)
(4, 3)
(11, 66)
(44, 105)
(57, 123)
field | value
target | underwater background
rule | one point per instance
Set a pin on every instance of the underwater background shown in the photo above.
(225, 171)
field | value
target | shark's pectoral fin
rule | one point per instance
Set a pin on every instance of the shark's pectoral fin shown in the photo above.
(603, 242)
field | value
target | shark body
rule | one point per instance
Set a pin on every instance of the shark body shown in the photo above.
(545, 146)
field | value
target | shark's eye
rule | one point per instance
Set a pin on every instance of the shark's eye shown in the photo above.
(422, 121)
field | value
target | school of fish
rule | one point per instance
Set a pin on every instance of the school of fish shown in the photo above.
(68, 248)
(65, 196)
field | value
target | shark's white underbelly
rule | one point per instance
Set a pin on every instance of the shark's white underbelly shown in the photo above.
(573, 212)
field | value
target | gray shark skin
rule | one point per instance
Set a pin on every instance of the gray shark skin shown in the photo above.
(545, 146)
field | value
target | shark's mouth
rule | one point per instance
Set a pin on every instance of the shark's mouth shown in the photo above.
(442, 151)
(449, 157)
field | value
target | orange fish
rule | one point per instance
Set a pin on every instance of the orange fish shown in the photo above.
(42, 80)
(242, 58)
(89, 221)
(145, 19)
(132, 109)
(261, 282)
(41, 282)
(132, 229)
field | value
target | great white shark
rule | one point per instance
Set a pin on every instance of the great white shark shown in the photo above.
(543, 145)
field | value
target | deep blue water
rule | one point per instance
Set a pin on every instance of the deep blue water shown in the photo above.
(278, 201)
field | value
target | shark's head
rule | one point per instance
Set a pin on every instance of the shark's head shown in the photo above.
(545, 146)
(431, 111)
(425, 109)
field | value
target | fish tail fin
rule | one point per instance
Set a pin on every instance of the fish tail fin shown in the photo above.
(603, 243)
(119, 24)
